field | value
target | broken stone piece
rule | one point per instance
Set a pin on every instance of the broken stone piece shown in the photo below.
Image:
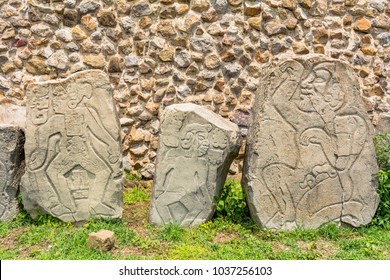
(195, 151)
(310, 158)
(73, 149)
(103, 240)
(11, 169)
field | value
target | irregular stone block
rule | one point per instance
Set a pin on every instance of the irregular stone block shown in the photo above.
(11, 169)
(309, 156)
(195, 151)
(73, 149)
(103, 240)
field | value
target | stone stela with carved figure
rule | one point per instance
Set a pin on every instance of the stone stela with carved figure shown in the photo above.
(73, 149)
(196, 148)
(310, 158)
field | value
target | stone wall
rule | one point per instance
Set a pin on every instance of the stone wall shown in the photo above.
(207, 52)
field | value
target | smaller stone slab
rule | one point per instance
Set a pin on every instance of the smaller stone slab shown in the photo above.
(73, 149)
(11, 169)
(195, 151)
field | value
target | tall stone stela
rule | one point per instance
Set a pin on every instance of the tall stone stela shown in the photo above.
(73, 149)
(310, 158)
(196, 148)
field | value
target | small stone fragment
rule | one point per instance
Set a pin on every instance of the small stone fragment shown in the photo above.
(103, 240)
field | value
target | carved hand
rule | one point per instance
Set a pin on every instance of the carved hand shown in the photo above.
(311, 135)
(113, 156)
(36, 159)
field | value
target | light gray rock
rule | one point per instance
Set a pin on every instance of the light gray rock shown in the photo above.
(41, 30)
(11, 169)
(73, 149)
(183, 59)
(231, 69)
(64, 34)
(128, 25)
(142, 9)
(58, 60)
(309, 156)
(384, 39)
(88, 6)
(201, 44)
(196, 148)
(220, 6)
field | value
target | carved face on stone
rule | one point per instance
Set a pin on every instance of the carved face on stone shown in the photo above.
(39, 104)
(203, 144)
(59, 101)
(195, 139)
(313, 87)
(321, 85)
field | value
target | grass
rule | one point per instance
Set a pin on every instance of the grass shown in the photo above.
(48, 238)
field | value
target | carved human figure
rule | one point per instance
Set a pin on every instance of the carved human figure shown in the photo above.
(191, 165)
(74, 124)
(312, 116)
(195, 151)
(71, 149)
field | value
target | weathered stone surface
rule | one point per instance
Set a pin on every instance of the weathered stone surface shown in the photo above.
(362, 25)
(73, 149)
(195, 151)
(11, 168)
(103, 240)
(309, 156)
(88, 6)
(13, 115)
(95, 61)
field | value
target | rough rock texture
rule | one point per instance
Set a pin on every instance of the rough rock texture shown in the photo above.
(103, 240)
(309, 156)
(13, 115)
(195, 151)
(73, 152)
(11, 169)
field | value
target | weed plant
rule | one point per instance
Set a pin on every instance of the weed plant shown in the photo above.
(382, 147)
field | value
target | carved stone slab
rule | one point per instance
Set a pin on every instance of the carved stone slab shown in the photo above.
(195, 151)
(73, 149)
(11, 169)
(309, 156)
